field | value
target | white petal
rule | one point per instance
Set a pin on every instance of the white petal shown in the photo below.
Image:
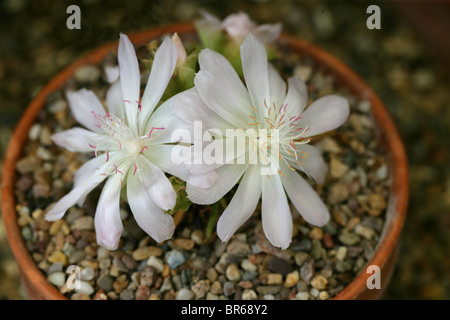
(152, 219)
(268, 33)
(161, 156)
(221, 89)
(228, 177)
(277, 86)
(238, 25)
(255, 67)
(276, 215)
(84, 104)
(325, 114)
(88, 169)
(75, 139)
(108, 226)
(112, 73)
(114, 100)
(160, 74)
(297, 96)
(79, 191)
(156, 183)
(242, 205)
(190, 107)
(305, 199)
(129, 79)
(312, 162)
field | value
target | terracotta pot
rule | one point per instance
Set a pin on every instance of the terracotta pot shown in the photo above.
(36, 283)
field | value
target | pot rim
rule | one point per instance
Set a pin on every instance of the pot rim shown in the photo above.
(398, 198)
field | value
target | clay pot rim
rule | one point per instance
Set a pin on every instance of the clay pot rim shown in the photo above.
(397, 203)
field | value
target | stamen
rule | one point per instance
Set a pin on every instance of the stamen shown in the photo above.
(135, 168)
(139, 104)
(117, 170)
(154, 128)
(107, 156)
(142, 150)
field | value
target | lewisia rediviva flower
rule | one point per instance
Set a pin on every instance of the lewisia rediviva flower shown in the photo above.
(220, 98)
(239, 25)
(132, 145)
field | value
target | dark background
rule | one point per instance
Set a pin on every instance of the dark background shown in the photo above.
(406, 63)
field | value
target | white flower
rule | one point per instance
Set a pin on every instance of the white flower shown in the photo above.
(221, 98)
(132, 144)
(239, 25)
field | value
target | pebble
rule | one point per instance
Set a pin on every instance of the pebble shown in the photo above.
(127, 294)
(142, 293)
(302, 296)
(83, 223)
(328, 241)
(307, 270)
(55, 267)
(377, 204)
(232, 272)
(248, 266)
(156, 263)
(80, 296)
(228, 288)
(323, 295)
(319, 282)
(148, 276)
(102, 253)
(87, 73)
(198, 236)
(291, 279)
(129, 262)
(57, 278)
(341, 253)
(316, 233)
(349, 238)
(166, 285)
(272, 289)
(184, 244)
(337, 193)
(87, 274)
(216, 288)
(201, 288)
(105, 282)
(316, 251)
(57, 256)
(85, 288)
(249, 294)
(238, 248)
(271, 278)
(184, 294)
(27, 164)
(146, 252)
(337, 168)
(174, 258)
(212, 274)
(300, 258)
(365, 232)
(278, 265)
(302, 245)
(76, 256)
(35, 131)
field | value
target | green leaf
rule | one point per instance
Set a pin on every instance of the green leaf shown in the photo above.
(182, 203)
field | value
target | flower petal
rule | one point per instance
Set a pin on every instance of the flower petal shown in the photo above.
(114, 100)
(84, 104)
(75, 139)
(108, 226)
(255, 67)
(221, 89)
(276, 214)
(277, 86)
(156, 183)
(228, 176)
(160, 75)
(161, 156)
(312, 162)
(268, 33)
(297, 96)
(129, 79)
(150, 217)
(325, 114)
(190, 107)
(79, 191)
(238, 25)
(242, 205)
(305, 199)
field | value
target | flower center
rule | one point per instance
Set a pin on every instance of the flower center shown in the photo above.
(284, 134)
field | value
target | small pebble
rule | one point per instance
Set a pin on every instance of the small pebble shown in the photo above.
(87, 274)
(85, 288)
(248, 266)
(174, 258)
(319, 282)
(156, 263)
(291, 279)
(232, 272)
(349, 238)
(57, 278)
(302, 296)
(249, 294)
(83, 223)
(184, 244)
(105, 282)
(272, 278)
(184, 294)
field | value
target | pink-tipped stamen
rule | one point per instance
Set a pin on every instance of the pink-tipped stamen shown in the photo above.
(107, 156)
(140, 106)
(154, 128)
(135, 168)
(142, 150)
(117, 170)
